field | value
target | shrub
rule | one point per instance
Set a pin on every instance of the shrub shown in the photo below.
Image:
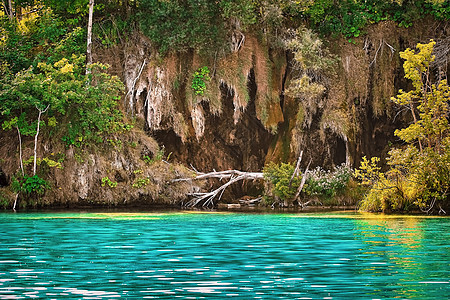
(279, 178)
(200, 77)
(156, 157)
(29, 185)
(326, 183)
(140, 182)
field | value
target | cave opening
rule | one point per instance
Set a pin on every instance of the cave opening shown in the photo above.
(340, 151)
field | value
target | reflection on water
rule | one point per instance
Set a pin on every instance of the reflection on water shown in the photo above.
(399, 248)
(195, 256)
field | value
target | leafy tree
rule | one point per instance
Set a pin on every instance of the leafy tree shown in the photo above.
(15, 46)
(419, 174)
(59, 93)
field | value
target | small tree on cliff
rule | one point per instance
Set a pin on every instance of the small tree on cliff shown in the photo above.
(419, 174)
(58, 95)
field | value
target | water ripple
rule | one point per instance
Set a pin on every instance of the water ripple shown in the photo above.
(193, 256)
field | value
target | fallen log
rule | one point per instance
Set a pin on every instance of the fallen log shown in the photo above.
(208, 198)
(223, 175)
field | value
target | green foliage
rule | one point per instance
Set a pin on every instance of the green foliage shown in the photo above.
(87, 112)
(154, 158)
(4, 200)
(49, 28)
(419, 173)
(182, 24)
(350, 17)
(43, 36)
(108, 182)
(112, 31)
(369, 172)
(388, 191)
(116, 143)
(311, 60)
(35, 184)
(140, 182)
(200, 77)
(325, 183)
(15, 46)
(48, 162)
(30, 185)
(69, 44)
(72, 10)
(242, 10)
(279, 176)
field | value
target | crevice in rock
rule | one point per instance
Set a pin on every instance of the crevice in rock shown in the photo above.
(283, 81)
(3, 179)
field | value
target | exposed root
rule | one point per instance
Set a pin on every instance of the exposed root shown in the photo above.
(131, 90)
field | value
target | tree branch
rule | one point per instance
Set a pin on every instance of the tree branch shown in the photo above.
(302, 183)
(36, 136)
(134, 84)
(208, 198)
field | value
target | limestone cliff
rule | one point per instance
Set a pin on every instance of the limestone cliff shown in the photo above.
(242, 120)
(245, 119)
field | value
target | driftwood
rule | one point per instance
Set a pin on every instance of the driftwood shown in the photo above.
(207, 199)
(250, 202)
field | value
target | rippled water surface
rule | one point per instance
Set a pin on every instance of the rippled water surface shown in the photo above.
(217, 256)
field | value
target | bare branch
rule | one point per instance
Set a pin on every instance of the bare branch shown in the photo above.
(131, 91)
(297, 166)
(89, 37)
(208, 198)
(302, 183)
(36, 136)
(376, 54)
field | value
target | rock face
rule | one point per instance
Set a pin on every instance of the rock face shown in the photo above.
(81, 181)
(244, 119)
(226, 127)
(241, 121)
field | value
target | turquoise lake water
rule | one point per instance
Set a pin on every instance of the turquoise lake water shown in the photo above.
(222, 255)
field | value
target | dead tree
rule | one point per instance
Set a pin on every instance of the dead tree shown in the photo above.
(89, 37)
(207, 199)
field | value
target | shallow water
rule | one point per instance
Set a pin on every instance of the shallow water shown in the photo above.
(222, 255)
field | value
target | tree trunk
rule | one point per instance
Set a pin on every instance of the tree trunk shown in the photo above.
(207, 198)
(89, 37)
(10, 10)
(36, 137)
(20, 150)
(411, 106)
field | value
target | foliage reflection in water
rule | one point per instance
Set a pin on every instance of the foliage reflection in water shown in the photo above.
(249, 256)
